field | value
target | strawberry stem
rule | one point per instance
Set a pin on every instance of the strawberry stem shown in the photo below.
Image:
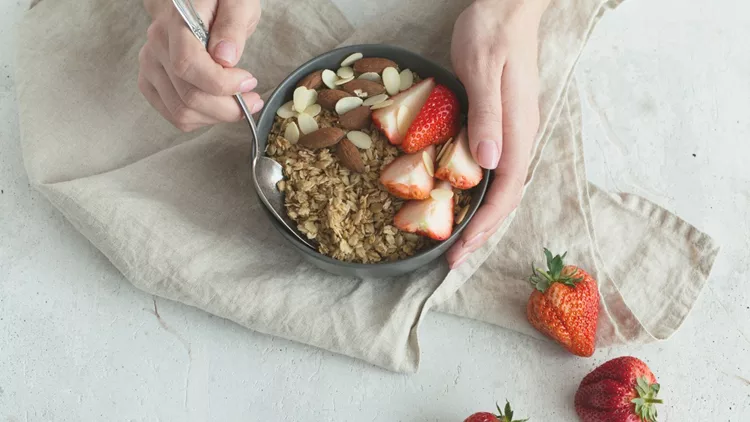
(542, 280)
(644, 403)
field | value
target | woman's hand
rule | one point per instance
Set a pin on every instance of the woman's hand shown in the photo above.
(494, 54)
(189, 86)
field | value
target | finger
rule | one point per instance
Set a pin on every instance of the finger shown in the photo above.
(192, 63)
(152, 96)
(235, 20)
(486, 119)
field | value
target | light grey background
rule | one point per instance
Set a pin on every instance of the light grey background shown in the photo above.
(79, 343)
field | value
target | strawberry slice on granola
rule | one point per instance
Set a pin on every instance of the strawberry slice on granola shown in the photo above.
(410, 176)
(431, 217)
(457, 165)
(396, 119)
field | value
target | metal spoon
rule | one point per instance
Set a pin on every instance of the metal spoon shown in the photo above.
(266, 172)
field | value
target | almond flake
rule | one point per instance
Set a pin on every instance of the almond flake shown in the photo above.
(359, 93)
(351, 59)
(443, 149)
(401, 123)
(407, 79)
(291, 133)
(391, 80)
(345, 72)
(441, 194)
(348, 104)
(448, 152)
(360, 139)
(304, 98)
(286, 111)
(462, 215)
(344, 81)
(384, 104)
(307, 124)
(428, 164)
(370, 76)
(330, 78)
(313, 110)
(375, 100)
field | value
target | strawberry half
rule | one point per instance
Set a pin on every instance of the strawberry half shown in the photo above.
(408, 103)
(407, 176)
(436, 122)
(457, 165)
(431, 217)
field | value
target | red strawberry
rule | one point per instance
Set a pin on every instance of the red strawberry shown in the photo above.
(407, 177)
(490, 417)
(409, 102)
(565, 305)
(431, 217)
(620, 390)
(457, 165)
(435, 123)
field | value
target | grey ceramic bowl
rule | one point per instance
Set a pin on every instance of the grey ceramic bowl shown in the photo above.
(332, 60)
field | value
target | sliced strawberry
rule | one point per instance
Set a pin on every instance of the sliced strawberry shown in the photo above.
(410, 102)
(435, 123)
(407, 177)
(458, 166)
(431, 217)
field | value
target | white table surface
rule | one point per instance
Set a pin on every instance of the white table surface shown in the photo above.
(79, 343)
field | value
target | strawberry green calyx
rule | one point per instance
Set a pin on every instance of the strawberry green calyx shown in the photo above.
(644, 403)
(542, 280)
(508, 415)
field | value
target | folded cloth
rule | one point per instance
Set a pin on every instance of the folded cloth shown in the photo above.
(175, 213)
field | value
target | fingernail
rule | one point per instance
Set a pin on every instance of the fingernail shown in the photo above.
(257, 106)
(248, 85)
(226, 51)
(488, 155)
(474, 240)
(459, 262)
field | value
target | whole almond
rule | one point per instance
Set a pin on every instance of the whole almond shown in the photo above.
(359, 118)
(365, 87)
(312, 81)
(328, 98)
(322, 138)
(373, 64)
(349, 156)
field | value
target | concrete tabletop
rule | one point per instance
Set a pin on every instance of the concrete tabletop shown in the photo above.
(79, 343)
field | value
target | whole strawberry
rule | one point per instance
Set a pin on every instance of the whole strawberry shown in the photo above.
(621, 390)
(565, 305)
(491, 417)
(437, 121)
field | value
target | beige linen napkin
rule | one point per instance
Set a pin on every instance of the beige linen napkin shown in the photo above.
(175, 212)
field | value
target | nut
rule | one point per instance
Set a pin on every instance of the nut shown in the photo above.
(304, 98)
(322, 138)
(370, 76)
(407, 79)
(351, 59)
(391, 80)
(373, 64)
(360, 140)
(312, 81)
(359, 118)
(328, 98)
(462, 215)
(307, 123)
(329, 78)
(368, 88)
(348, 104)
(349, 156)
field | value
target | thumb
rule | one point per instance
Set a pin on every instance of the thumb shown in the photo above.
(485, 122)
(235, 20)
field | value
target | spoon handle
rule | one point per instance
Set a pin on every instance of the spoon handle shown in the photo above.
(198, 28)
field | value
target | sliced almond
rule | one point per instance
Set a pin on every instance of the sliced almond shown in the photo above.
(428, 164)
(304, 98)
(441, 194)
(384, 104)
(443, 149)
(370, 76)
(391, 80)
(344, 81)
(462, 215)
(313, 110)
(407, 79)
(307, 123)
(291, 133)
(401, 123)
(360, 139)
(351, 59)
(348, 104)
(446, 156)
(345, 72)
(329, 78)
(375, 100)
(286, 111)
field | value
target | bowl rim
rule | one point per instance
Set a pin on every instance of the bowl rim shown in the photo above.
(483, 185)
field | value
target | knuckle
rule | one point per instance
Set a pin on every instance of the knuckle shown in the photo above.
(192, 97)
(181, 115)
(183, 65)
